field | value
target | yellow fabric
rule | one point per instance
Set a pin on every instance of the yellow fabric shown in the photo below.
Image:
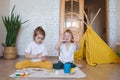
(30, 64)
(95, 50)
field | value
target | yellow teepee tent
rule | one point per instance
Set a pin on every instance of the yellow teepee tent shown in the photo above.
(94, 49)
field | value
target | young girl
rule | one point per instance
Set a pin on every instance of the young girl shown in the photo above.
(66, 46)
(36, 52)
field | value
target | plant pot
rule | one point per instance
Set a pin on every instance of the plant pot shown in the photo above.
(9, 53)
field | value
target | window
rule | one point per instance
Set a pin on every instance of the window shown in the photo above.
(71, 13)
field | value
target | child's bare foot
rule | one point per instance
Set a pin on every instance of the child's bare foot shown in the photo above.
(79, 65)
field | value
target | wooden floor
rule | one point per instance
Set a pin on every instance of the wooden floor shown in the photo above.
(99, 72)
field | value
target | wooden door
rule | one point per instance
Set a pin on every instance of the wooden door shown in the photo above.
(71, 12)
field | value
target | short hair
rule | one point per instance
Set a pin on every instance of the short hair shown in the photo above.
(38, 30)
(69, 31)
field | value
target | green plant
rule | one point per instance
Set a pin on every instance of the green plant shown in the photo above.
(12, 24)
(118, 53)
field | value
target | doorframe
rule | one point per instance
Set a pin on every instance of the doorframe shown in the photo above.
(107, 22)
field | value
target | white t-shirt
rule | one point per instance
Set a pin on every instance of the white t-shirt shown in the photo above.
(67, 55)
(35, 49)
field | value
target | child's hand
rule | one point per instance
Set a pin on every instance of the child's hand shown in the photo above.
(43, 58)
(62, 39)
(38, 55)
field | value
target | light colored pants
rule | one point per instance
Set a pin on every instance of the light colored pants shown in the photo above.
(30, 64)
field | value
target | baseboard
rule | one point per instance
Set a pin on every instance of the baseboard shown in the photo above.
(21, 56)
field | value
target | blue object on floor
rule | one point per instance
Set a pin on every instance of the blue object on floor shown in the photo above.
(67, 67)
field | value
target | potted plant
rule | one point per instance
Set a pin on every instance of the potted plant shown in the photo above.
(12, 24)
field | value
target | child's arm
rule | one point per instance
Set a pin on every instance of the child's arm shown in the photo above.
(57, 47)
(27, 55)
(77, 45)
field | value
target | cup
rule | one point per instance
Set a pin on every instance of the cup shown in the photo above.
(67, 67)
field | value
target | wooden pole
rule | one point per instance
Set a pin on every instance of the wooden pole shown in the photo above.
(95, 15)
(83, 21)
(88, 22)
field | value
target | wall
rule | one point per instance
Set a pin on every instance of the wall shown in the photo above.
(118, 21)
(4, 10)
(39, 12)
(46, 14)
(99, 23)
(113, 23)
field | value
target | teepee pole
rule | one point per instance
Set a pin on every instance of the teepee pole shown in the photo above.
(88, 22)
(83, 21)
(95, 15)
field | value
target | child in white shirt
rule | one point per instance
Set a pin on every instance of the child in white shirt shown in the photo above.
(66, 47)
(36, 52)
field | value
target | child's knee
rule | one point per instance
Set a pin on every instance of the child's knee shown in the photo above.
(48, 65)
(58, 65)
(22, 64)
(18, 66)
